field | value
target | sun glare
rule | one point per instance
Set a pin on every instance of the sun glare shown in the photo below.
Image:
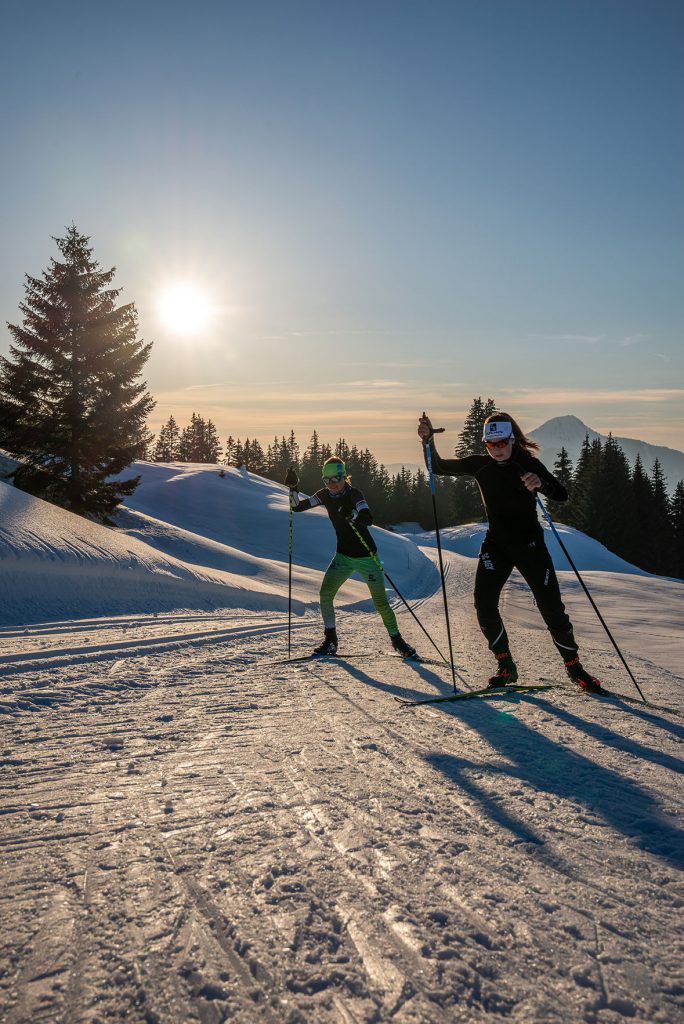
(184, 308)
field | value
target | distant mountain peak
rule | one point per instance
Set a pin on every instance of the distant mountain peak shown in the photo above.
(569, 432)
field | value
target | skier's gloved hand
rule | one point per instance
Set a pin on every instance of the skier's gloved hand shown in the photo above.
(291, 479)
(531, 481)
(425, 429)
(352, 516)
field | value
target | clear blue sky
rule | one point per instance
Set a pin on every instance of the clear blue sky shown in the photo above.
(394, 205)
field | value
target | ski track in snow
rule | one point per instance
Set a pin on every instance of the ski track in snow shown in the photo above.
(189, 834)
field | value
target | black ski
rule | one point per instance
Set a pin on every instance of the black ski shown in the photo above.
(612, 695)
(487, 691)
(349, 657)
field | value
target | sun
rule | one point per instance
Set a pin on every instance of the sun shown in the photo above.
(184, 308)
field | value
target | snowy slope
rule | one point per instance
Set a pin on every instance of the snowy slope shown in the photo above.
(192, 830)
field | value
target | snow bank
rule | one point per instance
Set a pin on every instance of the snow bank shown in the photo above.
(586, 553)
(190, 538)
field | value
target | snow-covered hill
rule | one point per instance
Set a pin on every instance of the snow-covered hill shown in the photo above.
(569, 432)
(191, 538)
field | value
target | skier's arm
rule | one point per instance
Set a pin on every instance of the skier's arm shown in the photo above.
(440, 466)
(298, 505)
(303, 504)
(451, 467)
(548, 485)
(361, 514)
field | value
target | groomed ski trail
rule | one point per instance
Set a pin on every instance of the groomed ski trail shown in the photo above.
(189, 834)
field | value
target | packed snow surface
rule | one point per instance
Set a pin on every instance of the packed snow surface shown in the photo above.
(194, 829)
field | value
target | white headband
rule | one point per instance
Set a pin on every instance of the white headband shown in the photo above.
(497, 430)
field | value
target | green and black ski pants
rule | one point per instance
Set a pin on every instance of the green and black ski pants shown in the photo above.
(533, 561)
(339, 571)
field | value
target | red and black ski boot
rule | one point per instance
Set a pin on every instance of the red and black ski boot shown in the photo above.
(579, 675)
(507, 672)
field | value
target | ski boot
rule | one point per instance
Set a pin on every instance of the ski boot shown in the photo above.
(580, 676)
(507, 673)
(329, 645)
(400, 645)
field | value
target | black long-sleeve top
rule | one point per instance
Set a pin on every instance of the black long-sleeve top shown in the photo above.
(341, 508)
(510, 508)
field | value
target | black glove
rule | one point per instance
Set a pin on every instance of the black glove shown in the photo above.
(291, 479)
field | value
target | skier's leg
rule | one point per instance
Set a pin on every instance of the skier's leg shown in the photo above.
(493, 569)
(536, 566)
(368, 569)
(374, 579)
(337, 573)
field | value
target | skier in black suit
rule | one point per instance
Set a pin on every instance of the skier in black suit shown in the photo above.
(509, 476)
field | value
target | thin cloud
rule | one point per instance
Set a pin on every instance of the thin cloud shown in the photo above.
(375, 384)
(584, 339)
(352, 333)
(540, 396)
(634, 339)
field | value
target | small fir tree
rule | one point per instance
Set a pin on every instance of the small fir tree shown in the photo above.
(167, 444)
(662, 524)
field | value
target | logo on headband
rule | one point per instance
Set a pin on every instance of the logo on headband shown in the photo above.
(497, 430)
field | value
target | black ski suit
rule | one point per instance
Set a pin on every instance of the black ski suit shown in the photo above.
(514, 539)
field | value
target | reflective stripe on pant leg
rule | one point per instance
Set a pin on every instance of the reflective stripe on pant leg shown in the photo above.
(536, 567)
(337, 573)
(493, 569)
(375, 581)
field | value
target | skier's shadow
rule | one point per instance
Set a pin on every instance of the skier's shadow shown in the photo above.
(617, 740)
(549, 768)
(555, 770)
(423, 671)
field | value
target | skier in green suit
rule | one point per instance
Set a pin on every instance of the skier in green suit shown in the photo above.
(350, 516)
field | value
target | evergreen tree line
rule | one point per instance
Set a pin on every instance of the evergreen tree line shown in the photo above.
(198, 442)
(627, 510)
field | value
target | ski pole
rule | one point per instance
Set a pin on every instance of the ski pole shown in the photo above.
(549, 520)
(392, 584)
(291, 481)
(428, 459)
(289, 588)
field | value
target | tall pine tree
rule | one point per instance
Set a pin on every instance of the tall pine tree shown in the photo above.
(466, 500)
(562, 470)
(662, 522)
(72, 405)
(677, 520)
